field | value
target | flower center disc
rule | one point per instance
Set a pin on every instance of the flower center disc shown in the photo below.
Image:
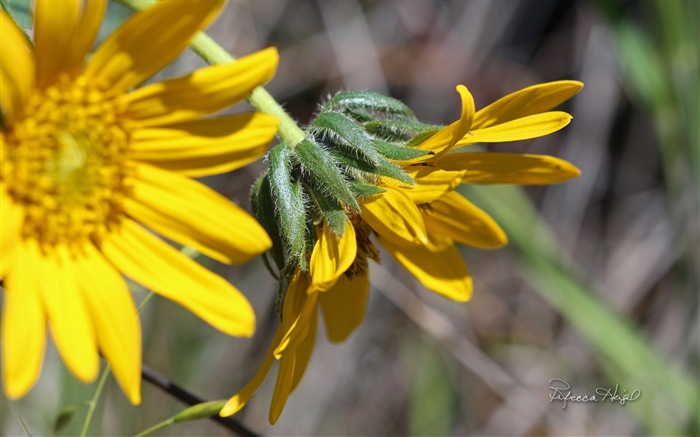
(65, 163)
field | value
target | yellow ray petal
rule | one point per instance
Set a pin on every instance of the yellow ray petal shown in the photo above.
(54, 25)
(525, 128)
(283, 385)
(205, 147)
(241, 398)
(116, 320)
(194, 215)
(304, 351)
(297, 331)
(10, 227)
(157, 266)
(16, 68)
(201, 93)
(65, 32)
(147, 42)
(527, 101)
(331, 257)
(23, 323)
(455, 217)
(394, 216)
(509, 168)
(431, 183)
(69, 317)
(441, 270)
(446, 138)
(344, 306)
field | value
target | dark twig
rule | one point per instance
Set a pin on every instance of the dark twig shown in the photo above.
(188, 398)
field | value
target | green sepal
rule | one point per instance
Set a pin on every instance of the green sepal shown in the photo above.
(362, 189)
(338, 129)
(321, 170)
(399, 153)
(418, 139)
(263, 208)
(385, 168)
(397, 130)
(331, 210)
(369, 101)
(289, 200)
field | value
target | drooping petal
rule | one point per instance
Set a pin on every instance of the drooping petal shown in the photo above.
(344, 306)
(297, 310)
(23, 323)
(299, 328)
(194, 215)
(157, 266)
(201, 93)
(331, 257)
(239, 400)
(394, 216)
(527, 101)
(455, 217)
(205, 147)
(116, 320)
(69, 317)
(431, 183)
(147, 42)
(65, 32)
(509, 168)
(17, 72)
(305, 350)
(525, 128)
(440, 269)
(283, 385)
(446, 138)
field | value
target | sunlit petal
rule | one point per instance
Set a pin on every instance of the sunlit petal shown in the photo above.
(171, 274)
(395, 216)
(205, 147)
(147, 42)
(509, 168)
(331, 257)
(194, 215)
(525, 128)
(344, 306)
(441, 270)
(17, 72)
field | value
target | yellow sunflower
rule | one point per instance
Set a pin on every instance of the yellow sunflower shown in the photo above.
(417, 224)
(86, 161)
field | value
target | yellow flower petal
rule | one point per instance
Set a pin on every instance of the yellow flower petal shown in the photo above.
(527, 101)
(23, 323)
(238, 401)
(70, 319)
(509, 168)
(431, 183)
(10, 227)
(283, 385)
(16, 68)
(205, 147)
(455, 217)
(201, 93)
(304, 351)
(116, 320)
(394, 216)
(194, 215)
(441, 270)
(344, 306)
(147, 42)
(525, 128)
(174, 276)
(331, 257)
(65, 32)
(297, 331)
(446, 138)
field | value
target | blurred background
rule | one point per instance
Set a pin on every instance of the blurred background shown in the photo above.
(598, 286)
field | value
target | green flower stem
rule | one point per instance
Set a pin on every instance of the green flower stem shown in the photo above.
(213, 53)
